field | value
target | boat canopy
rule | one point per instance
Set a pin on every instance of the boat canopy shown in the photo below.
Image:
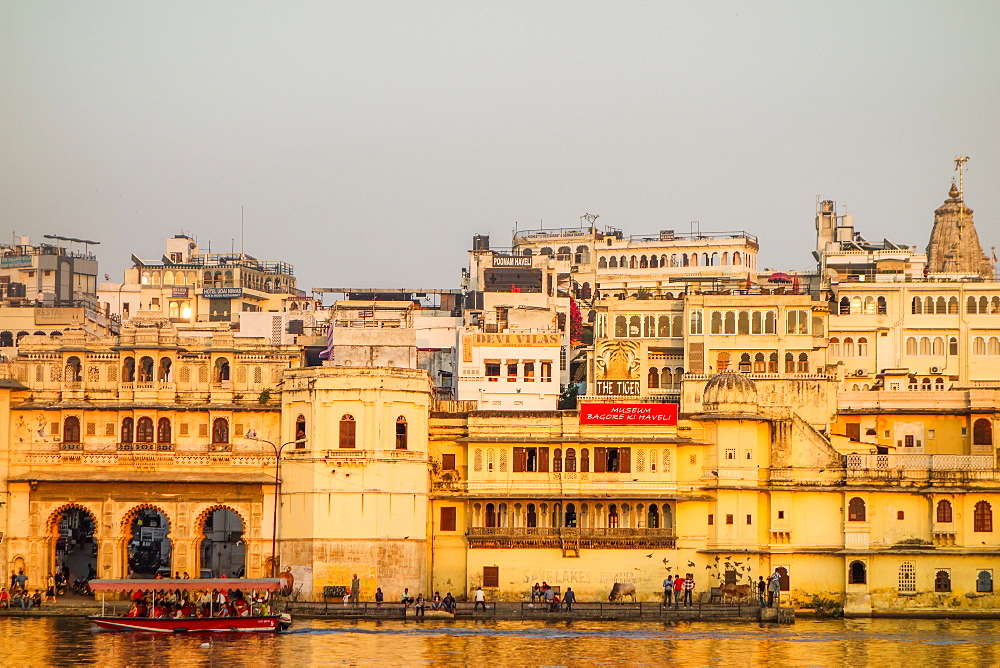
(187, 585)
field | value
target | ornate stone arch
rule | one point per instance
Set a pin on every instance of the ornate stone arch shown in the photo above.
(199, 522)
(50, 523)
(130, 514)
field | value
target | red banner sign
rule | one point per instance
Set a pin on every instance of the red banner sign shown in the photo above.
(631, 414)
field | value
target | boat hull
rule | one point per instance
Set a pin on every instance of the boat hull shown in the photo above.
(189, 625)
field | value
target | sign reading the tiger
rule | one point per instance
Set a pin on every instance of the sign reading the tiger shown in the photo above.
(617, 387)
(630, 414)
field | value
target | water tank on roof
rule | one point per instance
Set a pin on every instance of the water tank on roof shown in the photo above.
(481, 242)
(15, 290)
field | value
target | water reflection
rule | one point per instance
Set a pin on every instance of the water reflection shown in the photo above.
(69, 641)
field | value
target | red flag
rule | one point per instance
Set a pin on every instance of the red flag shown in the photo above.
(795, 284)
(748, 283)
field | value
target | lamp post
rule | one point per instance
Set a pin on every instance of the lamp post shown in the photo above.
(277, 495)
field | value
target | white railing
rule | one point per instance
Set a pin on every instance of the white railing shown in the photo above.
(920, 462)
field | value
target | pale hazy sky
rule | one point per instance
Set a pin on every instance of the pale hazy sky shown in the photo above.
(368, 141)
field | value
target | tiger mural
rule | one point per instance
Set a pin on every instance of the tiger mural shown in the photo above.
(617, 360)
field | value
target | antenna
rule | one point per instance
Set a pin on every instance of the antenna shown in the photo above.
(960, 161)
(242, 236)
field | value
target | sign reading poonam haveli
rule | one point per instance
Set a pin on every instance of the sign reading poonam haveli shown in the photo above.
(511, 260)
(630, 414)
(516, 340)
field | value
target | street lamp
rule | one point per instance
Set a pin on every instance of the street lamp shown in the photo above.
(277, 495)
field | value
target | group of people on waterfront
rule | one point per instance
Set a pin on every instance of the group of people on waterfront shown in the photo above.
(678, 591)
(549, 596)
(219, 603)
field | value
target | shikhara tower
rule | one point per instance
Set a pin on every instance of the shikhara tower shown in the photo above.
(954, 244)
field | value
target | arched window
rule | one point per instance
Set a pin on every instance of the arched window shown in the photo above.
(880, 306)
(613, 263)
(127, 430)
(834, 347)
(982, 432)
(632, 262)
(717, 322)
(925, 346)
(300, 432)
(745, 363)
(531, 518)
(163, 430)
(789, 363)
(570, 460)
(220, 430)
(401, 433)
(772, 363)
(348, 431)
(944, 511)
(759, 364)
(845, 306)
(916, 306)
(848, 347)
(993, 346)
(654, 378)
(643, 262)
(971, 305)
(144, 430)
(984, 582)
(71, 430)
(737, 259)
(603, 263)
(857, 575)
(6, 339)
(941, 306)
(653, 517)
(937, 346)
(982, 517)
(491, 515)
(862, 347)
(730, 322)
(722, 362)
(557, 460)
(221, 370)
(953, 306)
(654, 262)
(128, 370)
(942, 581)
(74, 369)
(952, 346)
(696, 323)
(979, 346)
(743, 323)
(803, 366)
(164, 374)
(856, 510)
(621, 327)
(694, 259)
(613, 516)
(584, 460)
(146, 370)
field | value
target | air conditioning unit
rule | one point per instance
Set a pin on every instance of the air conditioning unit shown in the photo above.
(860, 372)
(936, 369)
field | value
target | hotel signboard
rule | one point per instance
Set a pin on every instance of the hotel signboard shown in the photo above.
(222, 293)
(629, 414)
(517, 340)
(511, 260)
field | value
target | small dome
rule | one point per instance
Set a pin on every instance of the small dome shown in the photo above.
(730, 392)
(953, 193)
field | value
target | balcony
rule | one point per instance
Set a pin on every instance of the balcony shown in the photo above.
(570, 537)
(921, 468)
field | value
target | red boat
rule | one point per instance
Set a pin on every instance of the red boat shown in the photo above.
(257, 624)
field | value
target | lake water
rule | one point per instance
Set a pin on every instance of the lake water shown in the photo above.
(886, 642)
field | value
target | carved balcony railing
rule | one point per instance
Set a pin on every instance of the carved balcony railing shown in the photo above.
(555, 537)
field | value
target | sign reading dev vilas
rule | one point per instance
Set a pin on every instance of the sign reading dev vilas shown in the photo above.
(516, 340)
(630, 414)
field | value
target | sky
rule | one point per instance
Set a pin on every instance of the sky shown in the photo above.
(367, 142)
